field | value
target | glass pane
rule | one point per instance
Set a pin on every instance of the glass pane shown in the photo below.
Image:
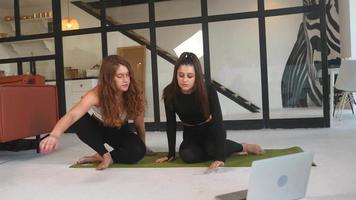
(235, 64)
(139, 56)
(8, 69)
(275, 4)
(78, 17)
(294, 69)
(80, 62)
(47, 69)
(176, 9)
(165, 74)
(186, 38)
(128, 14)
(7, 28)
(79, 58)
(36, 17)
(44, 68)
(26, 69)
(38, 47)
(231, 6)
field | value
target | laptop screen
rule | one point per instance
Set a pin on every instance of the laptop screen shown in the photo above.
(279, 178)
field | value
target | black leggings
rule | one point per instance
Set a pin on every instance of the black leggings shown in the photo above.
(127, 146)
(207, 142)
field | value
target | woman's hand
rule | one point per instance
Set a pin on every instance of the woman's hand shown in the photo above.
(49, 144)
(215, 165)
(164, 159)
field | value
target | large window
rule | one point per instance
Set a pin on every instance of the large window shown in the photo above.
(294, 67)
(265, 64)
(235, 64)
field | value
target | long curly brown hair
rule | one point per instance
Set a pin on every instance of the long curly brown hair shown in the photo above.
(111, 110)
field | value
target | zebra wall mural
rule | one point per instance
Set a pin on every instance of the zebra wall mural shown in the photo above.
(301, 84)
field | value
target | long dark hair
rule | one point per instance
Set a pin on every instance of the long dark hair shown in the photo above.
(107, 91)
(172, 89)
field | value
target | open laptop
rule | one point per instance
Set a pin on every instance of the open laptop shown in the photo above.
(279, 178)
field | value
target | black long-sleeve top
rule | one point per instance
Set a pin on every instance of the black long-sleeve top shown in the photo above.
(188, 110)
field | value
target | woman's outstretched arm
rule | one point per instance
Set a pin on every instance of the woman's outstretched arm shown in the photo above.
(171, 127)
(51, 142)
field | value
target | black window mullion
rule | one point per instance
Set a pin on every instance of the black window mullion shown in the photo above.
(153, 49)
(205, 29)
(17, 18)
(104, 36)
(263, 61)
(19, 68)
(324, 63)
(58, 42)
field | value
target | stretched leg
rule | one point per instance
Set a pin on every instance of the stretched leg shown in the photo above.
(230, 147)
(128, 147)
(216, 143)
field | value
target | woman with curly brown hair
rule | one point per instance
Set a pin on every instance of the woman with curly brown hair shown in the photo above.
(102, 115)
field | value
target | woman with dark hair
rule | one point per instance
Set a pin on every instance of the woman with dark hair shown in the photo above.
(102, 115)
(197, 105)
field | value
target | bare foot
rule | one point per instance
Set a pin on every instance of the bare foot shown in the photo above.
(252, 148)
(90, 159)
(106, 162)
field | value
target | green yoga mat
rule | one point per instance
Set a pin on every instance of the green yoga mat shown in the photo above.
(231, 161)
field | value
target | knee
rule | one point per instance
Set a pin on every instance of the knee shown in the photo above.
(137, 152)
(188, 156)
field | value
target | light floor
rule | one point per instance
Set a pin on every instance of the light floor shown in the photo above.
(27, 175)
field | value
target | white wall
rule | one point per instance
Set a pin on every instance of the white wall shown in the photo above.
(345, 34)
(353, 28)
(348, 28)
